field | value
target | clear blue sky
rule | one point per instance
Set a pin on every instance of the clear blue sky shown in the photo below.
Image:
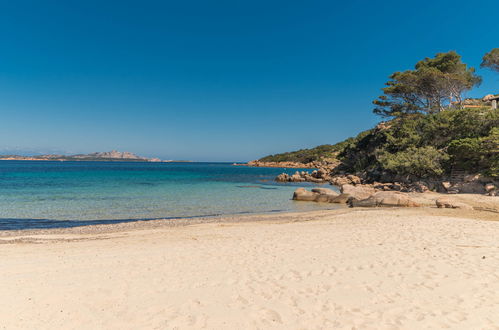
(216, 80)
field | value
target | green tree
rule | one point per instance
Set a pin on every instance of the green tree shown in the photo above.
(434, 84)
(466, 153)
(491, 60)
(421, 162)
(490, 145)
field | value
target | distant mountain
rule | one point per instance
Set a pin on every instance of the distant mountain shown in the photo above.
(95, 156)
(111, 155)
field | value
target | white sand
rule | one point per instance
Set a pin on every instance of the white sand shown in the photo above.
(364, 269)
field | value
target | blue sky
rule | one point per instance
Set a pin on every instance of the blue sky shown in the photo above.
(216, 80)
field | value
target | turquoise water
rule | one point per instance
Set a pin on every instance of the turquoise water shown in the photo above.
(61, 194)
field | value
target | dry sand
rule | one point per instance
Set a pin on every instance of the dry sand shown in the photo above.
(364, 269)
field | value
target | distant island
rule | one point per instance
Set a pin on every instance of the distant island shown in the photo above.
(113, 156)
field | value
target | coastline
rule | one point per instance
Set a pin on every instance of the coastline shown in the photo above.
(172, 223)
(483, 208)
(412, 268)
(480, 213)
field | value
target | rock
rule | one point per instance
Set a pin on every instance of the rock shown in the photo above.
(283, 177)
(322, 173)
(354, 179)
(301, 177)
(446, 185)
(358, 192)
(302, 194)
(323, 195)
(420, 187)
(340, 199)
(385, 199)
(297, 177)
(450, 204)
(329, 196)
(469, 187)
(339, 181)
(325, 191)
(396, 186)
(491, 189)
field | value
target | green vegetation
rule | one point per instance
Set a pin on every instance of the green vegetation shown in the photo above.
(422, 162)
(434, 84)
(428, 145)
(491, 60)
(428, 133)
(307, 155)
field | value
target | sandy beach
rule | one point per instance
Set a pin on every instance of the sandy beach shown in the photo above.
(343, 269)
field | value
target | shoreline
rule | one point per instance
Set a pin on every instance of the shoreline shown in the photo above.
(207, 218)
(482, 206)
(271, 217)
(172, 222)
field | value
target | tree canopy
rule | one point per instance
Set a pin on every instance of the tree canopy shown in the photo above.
(491, 60)
(433, 84)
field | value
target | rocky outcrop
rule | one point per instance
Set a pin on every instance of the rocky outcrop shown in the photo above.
(400, 199)
(317, 176)
(470, 184)
(384, 199)
(339, 180)
(302, 194)
(358, 192)
(356, 197)
(283, 177)
(492, 189)
(348, 192)
(467, 184)
(323, 195)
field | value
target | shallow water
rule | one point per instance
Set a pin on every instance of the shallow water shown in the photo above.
(40, 194)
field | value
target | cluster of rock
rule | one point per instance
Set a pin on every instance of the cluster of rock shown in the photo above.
(367, 196)
(471, 184)
(356, 196)
(317, 176)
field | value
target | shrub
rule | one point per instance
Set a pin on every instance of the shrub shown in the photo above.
(421, 162)
(490, 145)
(466, 153)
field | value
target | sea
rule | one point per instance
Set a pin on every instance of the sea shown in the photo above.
(53, 194)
